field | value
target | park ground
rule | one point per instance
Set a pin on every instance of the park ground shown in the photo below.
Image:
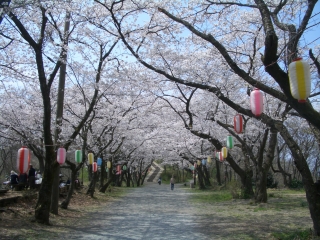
(213, 213)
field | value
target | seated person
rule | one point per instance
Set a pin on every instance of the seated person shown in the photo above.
(14, 179)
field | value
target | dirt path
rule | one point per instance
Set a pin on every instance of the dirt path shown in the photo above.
(156, 212)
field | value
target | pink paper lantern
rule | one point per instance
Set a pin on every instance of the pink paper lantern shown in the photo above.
(61, 155)
(23, 159)
(221, 156)
(94, 167)
(238, 123)
(256, 102)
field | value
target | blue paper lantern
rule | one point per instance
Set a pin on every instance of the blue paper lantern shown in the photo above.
(99, 161)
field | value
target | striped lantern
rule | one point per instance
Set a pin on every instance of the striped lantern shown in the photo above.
(61, 155)
(220, 156)
(256, 102)
(224, 152)
(78, 156)
(94, 167)
(90, 158)
(238, 123)
(230, 142)
(23, 159)
(108, 164)
(299, 79)
(209, 159)
(99, 161)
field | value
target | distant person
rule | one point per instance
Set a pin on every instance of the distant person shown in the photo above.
(23, 180)
(172, 182)
(159, 180)
(14, 179)
(32, 177)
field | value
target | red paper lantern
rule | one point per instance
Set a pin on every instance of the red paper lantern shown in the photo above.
(221, 156)
(94, 167)
(256, 102)
(61, 155)
(238, 123)
(23, 159)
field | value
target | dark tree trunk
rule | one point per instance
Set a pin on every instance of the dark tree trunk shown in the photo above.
(218, 175)
(206, 176)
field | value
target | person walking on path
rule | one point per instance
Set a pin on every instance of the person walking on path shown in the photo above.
(159, 180)
(172, 182)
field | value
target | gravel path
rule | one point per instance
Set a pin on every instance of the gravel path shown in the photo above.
(149, 212)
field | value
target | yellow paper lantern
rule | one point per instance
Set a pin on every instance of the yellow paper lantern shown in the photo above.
(299, 78)
(209, 159)
(224, 152)
(90, 158)
(109, 164)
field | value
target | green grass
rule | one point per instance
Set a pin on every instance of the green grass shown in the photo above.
(297, 235)
(207, 196)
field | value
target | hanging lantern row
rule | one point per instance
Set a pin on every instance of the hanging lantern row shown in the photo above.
(78, 156)
(94, 167)
(230, 142)
(299, 79)
(256, 102)
(90, 158)
(23, 159)
(61, 155)
(238, 123)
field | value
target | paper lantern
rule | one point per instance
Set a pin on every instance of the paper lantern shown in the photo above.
(209, 159)
(195, 165)
(99, 161)
(299, 79)
(124, 167)
(256, 102)
(221, 157)
(198, 162)
(218, 155)
(238, 123)
(108, 164)
(230, 142)
(94, 167)
(118, 168)
(224, 152)
(78, 156)
(204, 161)
(61, 155)
(90, 158)
(23, 159)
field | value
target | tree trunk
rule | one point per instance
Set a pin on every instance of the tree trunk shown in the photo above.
(261, 188)
(66, 202)
(218, 175)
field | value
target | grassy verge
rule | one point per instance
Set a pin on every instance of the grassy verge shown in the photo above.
(285, 216)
